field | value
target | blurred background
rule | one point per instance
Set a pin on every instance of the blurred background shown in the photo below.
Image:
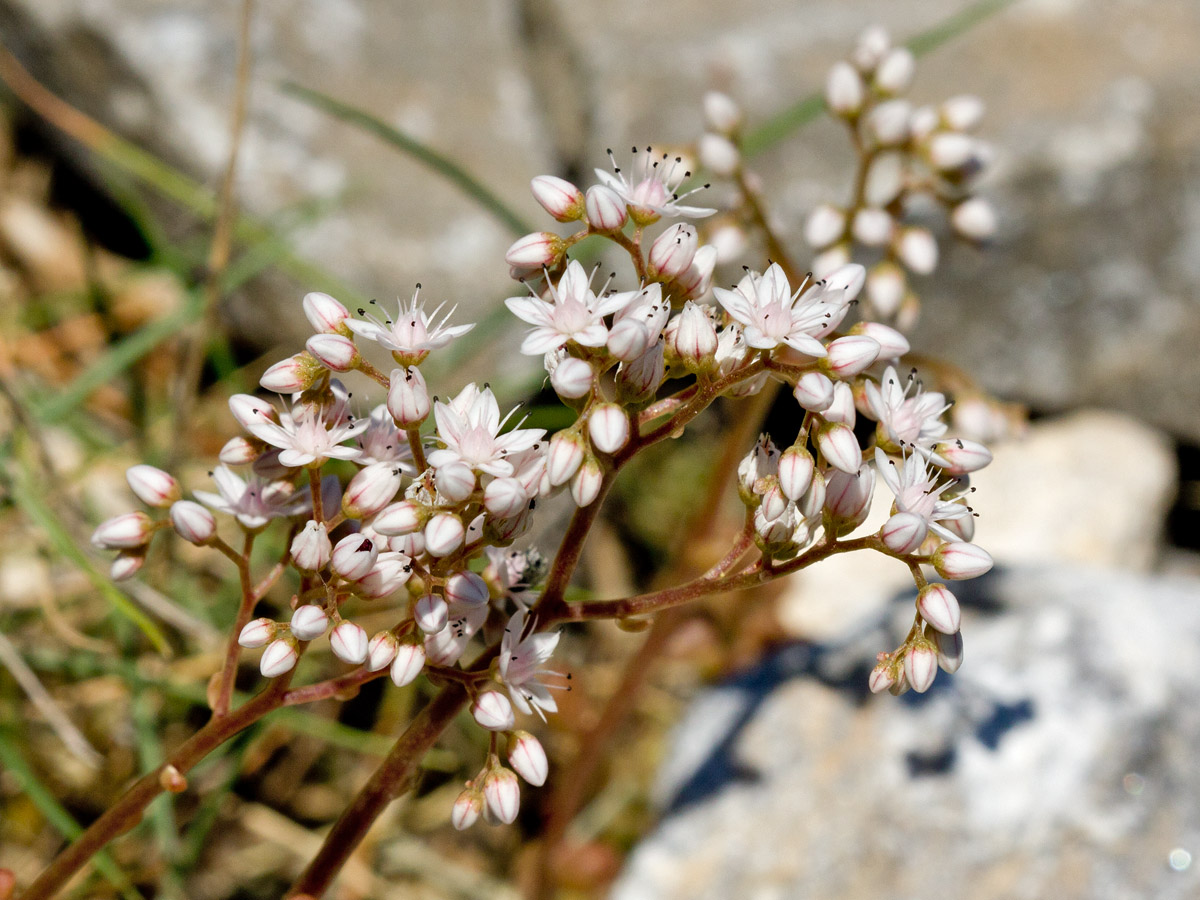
(1056, 762)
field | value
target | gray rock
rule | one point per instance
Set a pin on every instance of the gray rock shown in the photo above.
(1057, 762)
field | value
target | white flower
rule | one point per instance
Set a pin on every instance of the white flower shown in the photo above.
(651, 192)
(515, 572)
(919, 494)
(413, 333)
(311, 434)
(254, 501)
(905, 420)
(469, 426)
(576, 314)
(521, 661)
(383, 442)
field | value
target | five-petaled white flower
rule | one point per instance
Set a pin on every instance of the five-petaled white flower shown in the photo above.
(469, 427)
(903, 419)
(254, 501)
(921, 495)
(312, 433)
(383, 442)
(652, 191)
(521, 661)
(413, 333)
(576, 314)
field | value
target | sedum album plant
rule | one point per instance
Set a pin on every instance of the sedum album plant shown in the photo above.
(442, 490)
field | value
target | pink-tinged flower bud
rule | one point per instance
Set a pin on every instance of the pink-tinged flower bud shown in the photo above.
(410, 659)
(127, 564)
(950, 151)
(795, 471)
(839, 447)
(124, 532)
(311, 547)
(873, 227)
(371, 490)
(923, 122)
(697, 280)
(257, 633)
(152, 486)
(333, 351)
(848, 278)
(825, 225)
(528, 758)
(558, 197)
(719, 155)
(638, 380)
(628, 339)
(502, 793)
(353, 556)
(960, 456)
(848, 497)
(381, 650)
(844, 91)
(431, 613)
(842, 409)
(309, 622)
(467, 588)
(408, 398)
(349, 643)
(721, 112)
(466, 809)
(886, 178)
(608, 426)
(895, 71)
(239, 451)
(903, 533)
(949, 651)
(774, 533)
(505, 531)
(886, 286)
(962, 113)
(892, 344)
(455, 481)
(672, 251)
(813, 501)
(444, 534)
(774, 501)
(504, 498)
(606, 212)
(539, 250)
(918, 250)
(493, 711)
(888, 122)
(692, 337)
(939, 608)
(848, 356)
(920, 666)
(325, 314)
(400, 518)
(871, 47)
(959, 560)
(193, 522)
(564, 457)
(974, 219)
(585, 486)
(881, 677)
(900, 685)
(963, 527)
(279, 658)
(572, 378)
(390, 573)
(814, 391)
(288, 376)
(250, 410)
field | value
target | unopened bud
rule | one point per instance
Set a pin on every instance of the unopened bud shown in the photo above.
(795, 471)
(608, 427)
(692, 337)
(873, 227)
(325, 314)
(493, 711)
(871, 47)
(892, 344)
(431, 613)
(839, 446)
(444, 533)
(844, 90)
(540, 250)
(949, 651)
(903, 532)
(193, 522)
(467, 588)
(333, 351)
(466, 809)
(825, 225)
(279, 658)
(917, 249)
(407, 664)
(558, 197)
(502, 793)
(572, 378)
(289, 376)
(882, 676)
(400, 518)
(921, 665)
(719, 155)
(371, 490)
(585, 486)
(886, 284)
(638, 380)
(309, 622)
(629, 338)
(381, 650)
(564, 457)
(239, 451)
(939, 608)
(888, 122)
(257, 633)
(848, 356)
(348, 642)
(152, 486)
(697, 280)
(672, 251)
(528, 758)
(961, 456)
(721, 112)
(894, 73)
(606, 212)
(962, 113)
(127, 564)
(455, 481)
(950, 150)
(353, 556)
(390, 573)
(504, 497)
(974, 219)
(408, 398)
(814, 391)
(960, 560)
(124, 532)
(848, 496)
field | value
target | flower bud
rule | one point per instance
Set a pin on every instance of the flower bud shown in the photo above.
(528, 758)
(939, 608)
(826, 225)
(193, 522)
(288, 376)
(381, 650)
(697, 280)
(921, 665)
(606, 212)
(400, 518)
(608, 426)
(468, 806)
(493, 711)
(774, 501)
(844, 90)
(848, 356)
(895, 71)
(795, 471)
(961, 456)
(467, 588)
(558, 197)
(127, 564)
(672, 251)
(629, 338)
(962, 113)
(813, 501)
(918, 250)
(888, 123)
(949, 651)
(371, 489)
(279, 657)
(719, 155)
(152, 486)
(885, 179)
(504, 498)
(431, 613)
(572, 378)
(721, 112)
(353, 556)
(444, 534)
(848, 496)
(873, 227)
(813, 391)
(540, 250)
(407, 665)
(124, 532)
(309, 622)
(886, 284)
(349, 643)
(873, 44)
(692, 337)
(564, 457)
(848, 278)
(950, 151)
(892, 344)
(638, 380)
(408, 398)
(839, 447)
(333, 351)
(390, 573)
(959, 560)
(585, 486)
(325, 314)
(257, 633)
(881, 677)
(974, 219)
(239, 451)
(455, 481)
(903, 532)
(502, 793)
